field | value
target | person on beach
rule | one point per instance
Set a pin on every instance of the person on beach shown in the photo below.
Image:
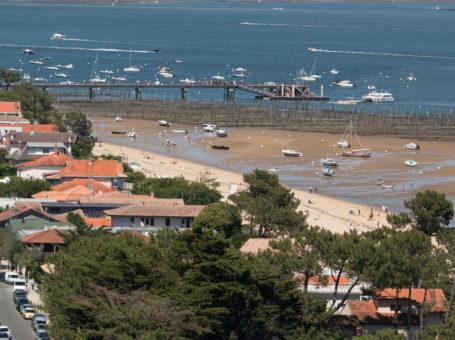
(315, 189)
(310, 189)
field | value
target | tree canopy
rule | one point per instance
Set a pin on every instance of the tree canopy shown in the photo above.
(9, 77)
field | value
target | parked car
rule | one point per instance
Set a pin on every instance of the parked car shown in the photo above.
(42, 335)
(2, 276)
(5, 330)
(11, 277)
(28, 313)
(39, 322)
(23, 306)
(19, 284)
(20, 302)
(38, 316)
(4, 336)
(19, 293)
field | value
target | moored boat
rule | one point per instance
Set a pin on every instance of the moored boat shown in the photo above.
(411, 163)
(291, 153)
(328, 171)
(221, 133)
(378, 97)
(220, 147)
(118, 132)
(164, 123)
(182, 131)
(329, 162)
(118, 119)
(342, 143)
(412, 146)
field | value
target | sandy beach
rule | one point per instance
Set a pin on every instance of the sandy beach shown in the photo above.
(250, 148)
(326, 212)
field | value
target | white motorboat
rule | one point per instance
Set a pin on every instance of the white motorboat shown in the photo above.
(329, 162)
(40, 80)
(411, 163)
(55, 68)
(29, 51)
(187, 81)
(411, 77)
(209, 127)
(36, 62)
(218, 77)
(68, 67)
(118, 78)
(334, 71)
(221, 133)
(107, 71)
(349, 101)
(97, 80)
(342, 143)
(58, 36)
(68, 82)
(178, 61)
(240, 69)
(371, 87)
(182, 131)
(291, 153)
(378, 97)
(62, 75)
(164, 123)
(26, 77)
(239, 75)
(343, 83)
(412, 146)
(118, 119)
(166, 74)
(328, 171)
(312, 49)
(15, 69)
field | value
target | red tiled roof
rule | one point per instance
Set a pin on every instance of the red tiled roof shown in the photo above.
(136, 233)
(98, 222)
(362, 307)
(93, 168)
(10, 107)
(40, 128)
(47, 236)
(344, 280)
(72, 194)
(435, 297)
(55, 159)
(89, 183)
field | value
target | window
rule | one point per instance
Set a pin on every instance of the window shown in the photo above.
(395, 307)
(168, 221)
(131, 221)
(152, 221)
(45, 150)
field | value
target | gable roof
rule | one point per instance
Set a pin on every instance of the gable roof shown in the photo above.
(58, 159)
(23, 209)
(256, 245)
(90, 183)
(435, 297)
(157, 210)
(362, 308)
(7, 119)
(10, 108)
(41, 137)
(93, 168)
(72, 194)
(47, 236)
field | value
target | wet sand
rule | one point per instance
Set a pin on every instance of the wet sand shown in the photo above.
(252, 148)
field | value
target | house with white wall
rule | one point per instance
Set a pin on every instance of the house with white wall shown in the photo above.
(46, 164)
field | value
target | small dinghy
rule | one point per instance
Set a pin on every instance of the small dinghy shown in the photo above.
(412, 146)
(180, 131)
(220, 147)
(410, 163)
(118, 119)
(329, 162)
(388, 186)
(164, 123)
(118, 132)
(221, 133)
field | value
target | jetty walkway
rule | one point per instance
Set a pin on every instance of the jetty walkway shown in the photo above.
(266, 91)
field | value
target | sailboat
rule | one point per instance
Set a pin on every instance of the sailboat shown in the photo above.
(302, 75)
(362, 152)
(131, 68)
(94, 78)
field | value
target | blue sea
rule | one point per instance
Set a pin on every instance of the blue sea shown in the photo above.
(378, 44)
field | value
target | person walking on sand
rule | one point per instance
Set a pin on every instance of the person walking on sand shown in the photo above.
(310, 189)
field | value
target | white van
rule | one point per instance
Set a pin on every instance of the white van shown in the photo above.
(19, 284)
(10, 277)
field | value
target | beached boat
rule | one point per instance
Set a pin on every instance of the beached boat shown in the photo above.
(411, 163)
(342, 143)
(118, 119)
(118, 132)
(221, 133)
(183, 131)
(209, 127)
(291, 153)
(388, 186)
(329, 162)
(362, 152)
(220, 147)
(412, 146)
(164, 123)
(328, 171)
(132, 134)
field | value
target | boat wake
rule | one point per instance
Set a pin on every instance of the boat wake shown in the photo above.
(382, 54)
(296, 25)
(97, 49)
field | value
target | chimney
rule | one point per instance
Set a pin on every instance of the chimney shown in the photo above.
(55, 149)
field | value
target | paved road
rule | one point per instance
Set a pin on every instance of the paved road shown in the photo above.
(21, 329)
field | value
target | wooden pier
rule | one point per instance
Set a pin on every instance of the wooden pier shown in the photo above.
(266, 91)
